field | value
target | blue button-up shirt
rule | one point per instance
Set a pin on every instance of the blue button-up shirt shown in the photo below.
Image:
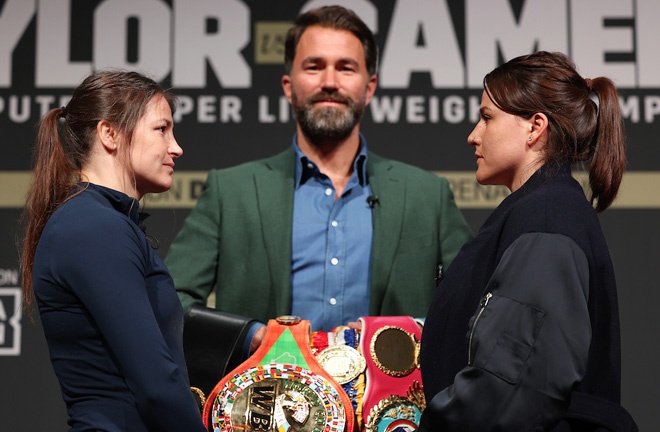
(331, 249)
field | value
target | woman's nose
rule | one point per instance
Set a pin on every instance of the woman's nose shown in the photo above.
(175, 149)
(473, 137)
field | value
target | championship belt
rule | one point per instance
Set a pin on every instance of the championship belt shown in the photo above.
(393, 398)
(338, 352)
(280, 388)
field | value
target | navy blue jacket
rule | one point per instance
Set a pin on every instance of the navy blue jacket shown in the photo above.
(112, 319)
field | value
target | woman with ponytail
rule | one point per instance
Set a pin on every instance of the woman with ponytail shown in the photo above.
(523, 333)
(110, 314)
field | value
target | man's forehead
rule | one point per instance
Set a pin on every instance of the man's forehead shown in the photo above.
(320, 42)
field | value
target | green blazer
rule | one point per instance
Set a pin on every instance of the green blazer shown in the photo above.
(237, 239)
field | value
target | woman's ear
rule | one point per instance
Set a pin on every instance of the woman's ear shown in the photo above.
(538, 125)
(108, 135)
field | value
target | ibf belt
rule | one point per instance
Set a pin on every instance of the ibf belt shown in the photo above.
(280, 388)
(393, 398)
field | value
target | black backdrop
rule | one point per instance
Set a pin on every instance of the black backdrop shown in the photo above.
(224, 60)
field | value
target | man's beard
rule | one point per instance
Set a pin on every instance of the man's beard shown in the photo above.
(322, 123)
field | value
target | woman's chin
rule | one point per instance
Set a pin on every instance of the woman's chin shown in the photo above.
(482, 178)
(156, 188)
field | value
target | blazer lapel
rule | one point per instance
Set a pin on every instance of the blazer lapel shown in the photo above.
(274, 187)
(387, 224)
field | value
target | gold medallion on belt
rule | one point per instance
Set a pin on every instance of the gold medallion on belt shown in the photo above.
(342, 362)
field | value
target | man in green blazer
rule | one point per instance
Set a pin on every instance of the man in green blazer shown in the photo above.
(369, 236)
(238, 238)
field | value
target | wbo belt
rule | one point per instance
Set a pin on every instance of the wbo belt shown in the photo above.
(281, 387)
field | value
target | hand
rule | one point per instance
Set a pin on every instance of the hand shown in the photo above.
(257, 339)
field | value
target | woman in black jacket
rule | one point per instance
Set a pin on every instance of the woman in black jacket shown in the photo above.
(523, 333)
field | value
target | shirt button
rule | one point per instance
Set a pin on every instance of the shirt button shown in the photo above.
(334, 223)
(333, 301)
(334, 261)
(310, 165)
(328, 191)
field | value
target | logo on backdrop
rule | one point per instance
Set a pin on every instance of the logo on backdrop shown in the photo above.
(10, 320)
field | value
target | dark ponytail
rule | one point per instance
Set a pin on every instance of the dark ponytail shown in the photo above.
(580, 131)
(53, 178)
(609, 156)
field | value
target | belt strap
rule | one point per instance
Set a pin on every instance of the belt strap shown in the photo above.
(210, 340)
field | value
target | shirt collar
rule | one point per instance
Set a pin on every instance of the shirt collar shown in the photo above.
(306, 168)
(124, 204)
(118, 200)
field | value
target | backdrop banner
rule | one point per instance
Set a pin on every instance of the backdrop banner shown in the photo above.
(224, 60)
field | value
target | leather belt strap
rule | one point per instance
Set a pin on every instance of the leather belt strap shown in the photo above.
(210, 344)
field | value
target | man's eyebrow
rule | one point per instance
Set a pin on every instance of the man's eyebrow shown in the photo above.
(313, 59)
(316, 59)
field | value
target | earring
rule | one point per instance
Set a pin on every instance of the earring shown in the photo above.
(529, 139)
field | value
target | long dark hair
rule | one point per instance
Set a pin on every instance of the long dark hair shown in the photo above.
(585, 123)
(63, 143)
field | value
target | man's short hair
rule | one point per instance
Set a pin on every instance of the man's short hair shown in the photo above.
(337, 18)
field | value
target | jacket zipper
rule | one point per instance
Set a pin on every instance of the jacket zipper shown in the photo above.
(483, 305)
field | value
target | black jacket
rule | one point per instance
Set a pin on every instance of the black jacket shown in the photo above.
(525, 317)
